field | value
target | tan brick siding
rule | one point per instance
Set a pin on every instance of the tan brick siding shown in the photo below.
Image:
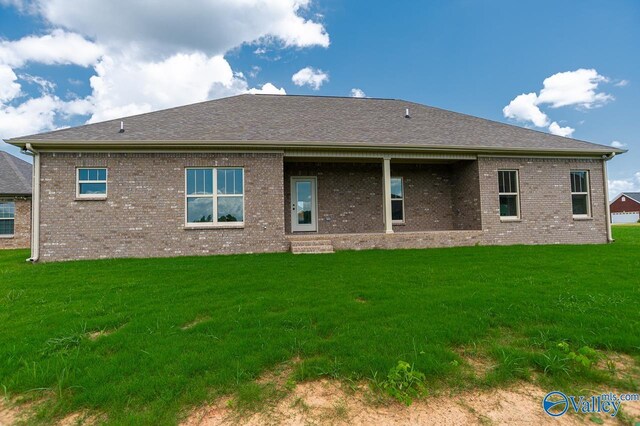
(22, 224)
(350, 196)
(143, 215)
(545, 202)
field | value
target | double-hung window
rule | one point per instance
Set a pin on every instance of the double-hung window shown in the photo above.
(91, 182)
(397, 200)
(508, 194)
(580, 202)
(214, 196)
(7, 216)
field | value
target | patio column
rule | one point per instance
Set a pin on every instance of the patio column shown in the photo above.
(386, 179)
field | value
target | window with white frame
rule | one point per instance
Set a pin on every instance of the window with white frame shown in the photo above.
(397, 200)
(7, 217)
(508, 194)
(222, 206)
(580, 202)
(91, 182)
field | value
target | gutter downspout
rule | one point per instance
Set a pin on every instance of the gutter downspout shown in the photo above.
(606, 194)
(35, 206)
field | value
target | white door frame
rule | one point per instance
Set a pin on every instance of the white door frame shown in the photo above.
(295, 226)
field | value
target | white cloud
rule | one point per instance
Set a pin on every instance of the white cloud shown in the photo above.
(9, 89)
(621, 83)
(357, 93)
(577, 88)
(29, 117)
(268, 89)
(524, 108)
(311, 77)
(618, 144)
(555, 129)
(57, 48)
(210, 26)
(574, 88)
(616, 186)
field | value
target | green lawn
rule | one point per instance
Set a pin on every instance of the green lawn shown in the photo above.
(351, 315)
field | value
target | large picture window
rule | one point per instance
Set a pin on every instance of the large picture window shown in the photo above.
(7, 218)
(580, 202)
(509, 194)
(91, 183)
(214, 196)
(397, 200)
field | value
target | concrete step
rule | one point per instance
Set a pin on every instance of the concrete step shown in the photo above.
(311, 246)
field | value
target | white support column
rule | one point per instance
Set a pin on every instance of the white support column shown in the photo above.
(386, 179)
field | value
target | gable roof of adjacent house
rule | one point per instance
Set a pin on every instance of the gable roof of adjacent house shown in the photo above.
(313, 122)
(635, 196)
(15, 175)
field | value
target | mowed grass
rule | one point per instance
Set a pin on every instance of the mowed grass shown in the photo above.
(180, 331)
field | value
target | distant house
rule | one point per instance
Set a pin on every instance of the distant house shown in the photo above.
(15, 202)
(266, 173)
(625, 208)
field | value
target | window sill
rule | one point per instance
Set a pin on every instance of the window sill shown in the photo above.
(218, 226)
(90, 198)
(399, 223)
(7, 237)
(582, 218)
(510, 219)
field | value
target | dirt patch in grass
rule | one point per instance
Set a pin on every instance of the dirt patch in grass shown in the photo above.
(330, 402)
(198, 320)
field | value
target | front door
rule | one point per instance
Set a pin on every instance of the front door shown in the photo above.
(303, 204)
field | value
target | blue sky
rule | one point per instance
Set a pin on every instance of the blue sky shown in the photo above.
(576, 62)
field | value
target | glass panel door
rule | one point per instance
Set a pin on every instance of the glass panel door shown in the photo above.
(303, 204)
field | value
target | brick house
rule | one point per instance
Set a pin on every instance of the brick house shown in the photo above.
(15, 202)
(268, 173)
(625, 208)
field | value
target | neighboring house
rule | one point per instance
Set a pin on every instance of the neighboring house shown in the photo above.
(15, 202)
(625, 208)
(266, 173)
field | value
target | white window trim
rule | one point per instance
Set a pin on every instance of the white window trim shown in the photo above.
(587, 193)
(214, 196)
(13, 219)
(396, 221)
(517, 194)
(92, 196)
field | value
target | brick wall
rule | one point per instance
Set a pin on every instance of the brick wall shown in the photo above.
(350, 196)
(545, 202)
(465, 196)
(143, 215)
(22, 224)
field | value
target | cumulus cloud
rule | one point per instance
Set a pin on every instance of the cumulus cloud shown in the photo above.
(311, 77)
(268, 89)
(357, 93)
(574, 88)
(577, 89)
(57, 48)
(9, 88)
(616, 186)
(524, 108)
(618, 144)
(210, 26)
(144, 58)
(555, 129)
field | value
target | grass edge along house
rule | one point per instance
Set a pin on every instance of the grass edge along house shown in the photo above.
(269, 173)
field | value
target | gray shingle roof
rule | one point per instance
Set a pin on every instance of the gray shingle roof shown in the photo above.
(15, 175)
(313, 120)
(633, 195)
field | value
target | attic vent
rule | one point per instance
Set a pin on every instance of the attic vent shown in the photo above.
(121, 127)
(406, 113)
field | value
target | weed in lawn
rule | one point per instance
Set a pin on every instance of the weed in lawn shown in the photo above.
(404, 383)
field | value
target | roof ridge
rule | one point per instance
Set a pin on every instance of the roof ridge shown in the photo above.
(635, 194)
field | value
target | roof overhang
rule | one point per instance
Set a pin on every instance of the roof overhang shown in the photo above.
(300, 147)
